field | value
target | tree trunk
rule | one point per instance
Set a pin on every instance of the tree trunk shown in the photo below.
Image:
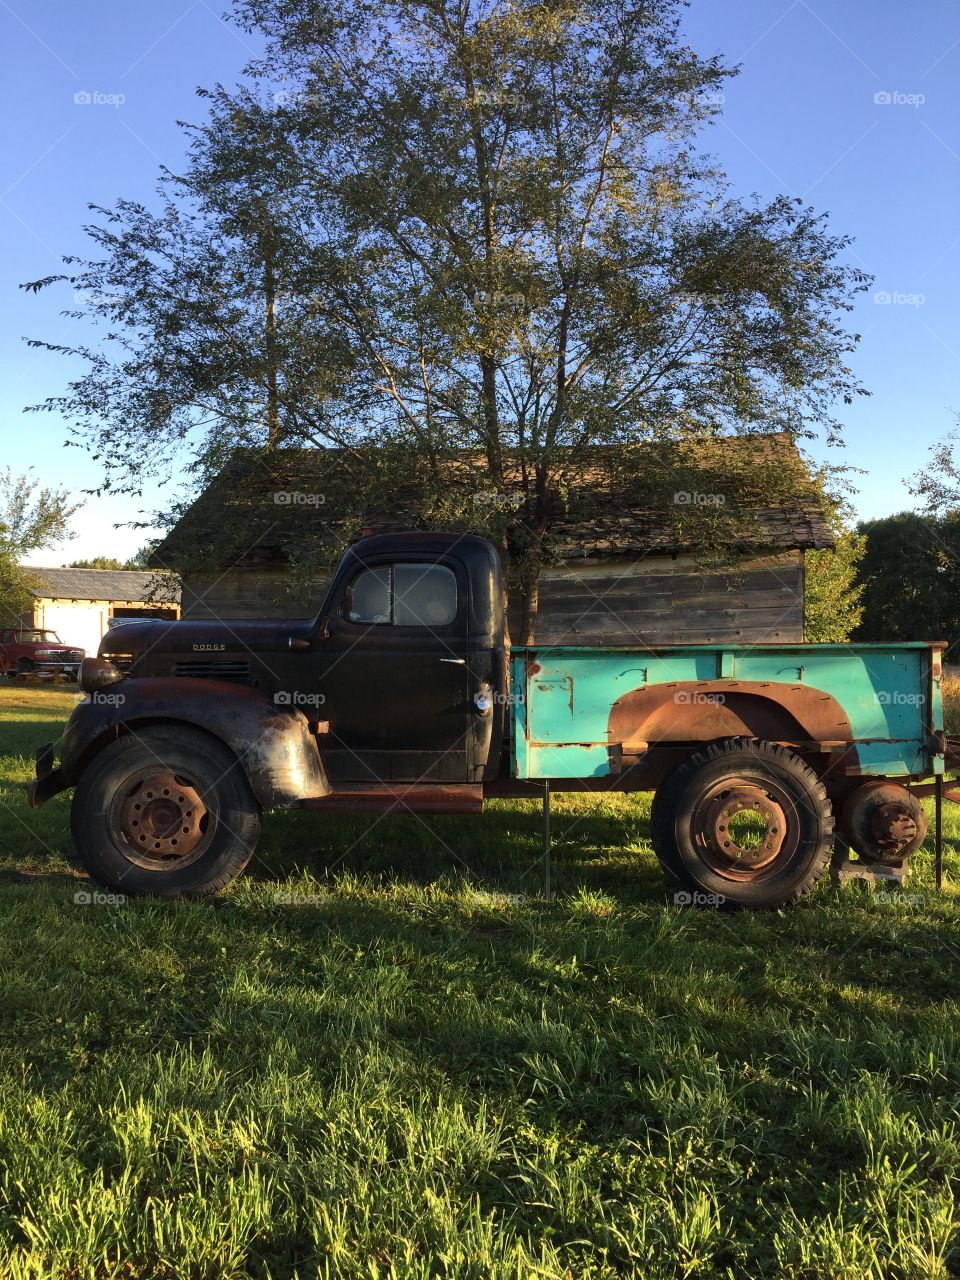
(270, 294)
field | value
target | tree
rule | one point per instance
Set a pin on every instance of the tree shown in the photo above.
(833, 592)
(105, 562)
(30, 520)
(461, 230)
(911, 578)
(832, 601)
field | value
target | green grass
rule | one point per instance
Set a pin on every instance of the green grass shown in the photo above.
(383, 1055)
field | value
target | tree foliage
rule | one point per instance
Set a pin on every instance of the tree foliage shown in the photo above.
(910, 574)
(109, 562)
(441, 228)
(31, 518)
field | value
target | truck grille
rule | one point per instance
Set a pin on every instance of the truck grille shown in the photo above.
(237, 671)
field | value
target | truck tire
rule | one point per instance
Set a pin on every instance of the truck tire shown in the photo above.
(701, 811)
(165, 811)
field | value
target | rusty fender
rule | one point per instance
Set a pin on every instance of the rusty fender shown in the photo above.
(274, 745)
(705, 710)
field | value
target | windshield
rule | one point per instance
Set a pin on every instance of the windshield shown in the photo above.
(39, 637)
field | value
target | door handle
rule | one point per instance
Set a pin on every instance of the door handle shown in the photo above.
(460, 662)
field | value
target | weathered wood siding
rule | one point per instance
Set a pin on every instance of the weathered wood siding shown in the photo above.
(658, 600)
(246, 593)
(667, 600)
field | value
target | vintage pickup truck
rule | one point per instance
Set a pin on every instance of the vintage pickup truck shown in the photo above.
(401, 695)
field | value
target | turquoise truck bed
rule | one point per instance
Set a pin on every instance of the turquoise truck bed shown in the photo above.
(569, 713)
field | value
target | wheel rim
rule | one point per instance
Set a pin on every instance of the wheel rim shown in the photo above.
(160, 820)
(745, 828)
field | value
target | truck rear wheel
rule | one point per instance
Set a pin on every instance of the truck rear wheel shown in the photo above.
(165, 811)
(745, 823)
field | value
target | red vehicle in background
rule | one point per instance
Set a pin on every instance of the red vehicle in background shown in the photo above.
(28, 650)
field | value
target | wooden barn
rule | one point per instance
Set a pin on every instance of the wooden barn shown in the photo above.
(623, 569)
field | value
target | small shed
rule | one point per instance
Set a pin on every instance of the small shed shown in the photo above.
(80, 605)
(630, 562)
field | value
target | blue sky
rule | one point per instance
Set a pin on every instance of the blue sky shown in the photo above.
(852, 106)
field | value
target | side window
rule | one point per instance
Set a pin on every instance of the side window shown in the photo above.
(404, 595)
(424, 595)
(369, 599)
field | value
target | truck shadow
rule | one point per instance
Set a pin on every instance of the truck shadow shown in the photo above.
(603, 845)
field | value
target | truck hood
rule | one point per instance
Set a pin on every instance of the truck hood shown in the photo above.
(155, 639)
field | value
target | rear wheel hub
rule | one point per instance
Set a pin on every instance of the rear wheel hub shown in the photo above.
(742, 829)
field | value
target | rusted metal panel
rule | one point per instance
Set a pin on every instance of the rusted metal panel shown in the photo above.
(868, 708)
(424, 798)
(273, 744)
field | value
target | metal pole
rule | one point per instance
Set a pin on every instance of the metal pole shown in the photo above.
(938, 831)
(547, 893)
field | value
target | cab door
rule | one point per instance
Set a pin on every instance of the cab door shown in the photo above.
(395, 675)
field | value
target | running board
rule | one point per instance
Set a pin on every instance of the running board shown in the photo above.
(400, 797)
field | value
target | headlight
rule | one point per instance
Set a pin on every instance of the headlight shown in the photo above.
(97, 673)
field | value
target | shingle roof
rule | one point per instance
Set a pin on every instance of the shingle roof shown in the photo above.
(618, 500)
(133, 586)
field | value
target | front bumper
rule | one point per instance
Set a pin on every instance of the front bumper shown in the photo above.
(49, 780)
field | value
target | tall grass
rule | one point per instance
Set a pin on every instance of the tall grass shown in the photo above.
(384, 1055)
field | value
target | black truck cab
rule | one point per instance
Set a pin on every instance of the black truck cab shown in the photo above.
(407, 657)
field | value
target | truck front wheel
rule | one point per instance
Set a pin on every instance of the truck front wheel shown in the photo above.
(165, 811)
(743, 823)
